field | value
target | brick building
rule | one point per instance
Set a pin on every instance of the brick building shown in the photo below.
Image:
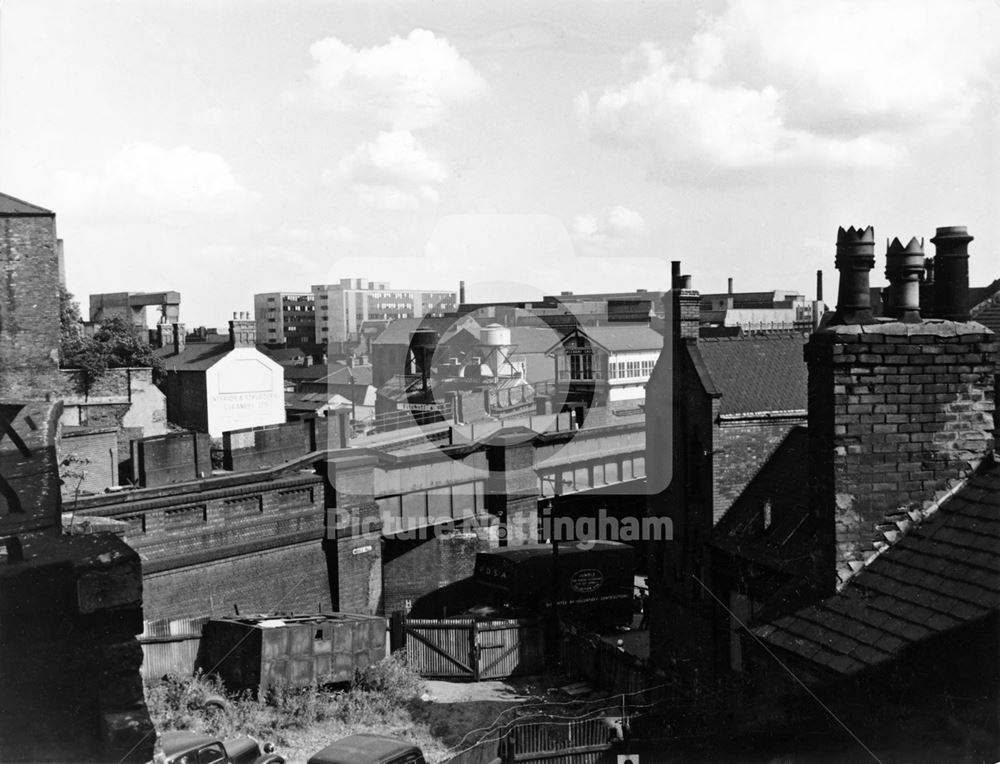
(30, 268)
(866, 540)
(217, 386)
(716, 411)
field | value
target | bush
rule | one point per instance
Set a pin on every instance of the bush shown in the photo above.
(391, 677)
(378, 694)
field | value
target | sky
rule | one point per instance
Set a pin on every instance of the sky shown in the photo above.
(222, 148)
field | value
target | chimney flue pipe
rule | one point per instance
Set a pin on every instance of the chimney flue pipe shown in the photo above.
(951, 273)
(903, 268)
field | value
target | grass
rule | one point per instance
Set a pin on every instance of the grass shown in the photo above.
(298, 720)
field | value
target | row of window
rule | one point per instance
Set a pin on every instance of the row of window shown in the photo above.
(630, 369)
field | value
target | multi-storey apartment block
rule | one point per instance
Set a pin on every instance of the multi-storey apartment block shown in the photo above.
(285, 318)
(342, 309)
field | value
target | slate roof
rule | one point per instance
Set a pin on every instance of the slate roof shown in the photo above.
(16, 208)
(311, 373)
(757, 374)
(196, 356)
(941, 575)
(986, 306)
(285, 355)
(342, 376)
(400, 331)
(532, 339)
(619, 338)
(781, 483)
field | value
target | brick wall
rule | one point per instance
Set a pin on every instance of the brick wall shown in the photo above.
(415, 569)
(289, 578)
(188, 536)
(167, 459)
(187, 399)
(898, 414)
(95, 460)
(29, 309)
(512, 489)
(742, 447)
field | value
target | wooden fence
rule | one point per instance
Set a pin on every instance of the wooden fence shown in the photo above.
(467, 648)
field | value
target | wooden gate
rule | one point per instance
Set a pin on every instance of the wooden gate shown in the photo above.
(469, 649)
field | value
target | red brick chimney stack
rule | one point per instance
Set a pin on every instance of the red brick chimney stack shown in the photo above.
(951, 273)
(242, 331)
(686, 305)
(180, 338)
(900, 409)
(855, 258)
(903, 267)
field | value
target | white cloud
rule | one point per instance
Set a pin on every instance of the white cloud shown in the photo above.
(780, 82)
(407, 83)
(392, 172)
(608, 234)
(151, 179)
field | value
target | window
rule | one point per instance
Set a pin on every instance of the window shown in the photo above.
(212, 754)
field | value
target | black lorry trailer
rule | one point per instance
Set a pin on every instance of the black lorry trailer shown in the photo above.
(593, 580)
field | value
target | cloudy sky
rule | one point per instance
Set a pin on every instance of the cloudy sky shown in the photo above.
(222, 147)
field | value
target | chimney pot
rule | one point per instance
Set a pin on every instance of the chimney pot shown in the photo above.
(903, 268)
(951, 273)
(855, 258)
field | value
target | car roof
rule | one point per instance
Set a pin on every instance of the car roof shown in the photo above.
(178, 741)
(362, 749)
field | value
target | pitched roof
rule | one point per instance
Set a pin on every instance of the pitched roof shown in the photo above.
(625, 337)
(986, 306)
(342, 376)
(400, 331)
(16, 208)
(284, 355)
(618, 338)
(532, 339)
(196, 356)
(941, 575)
(757, 374)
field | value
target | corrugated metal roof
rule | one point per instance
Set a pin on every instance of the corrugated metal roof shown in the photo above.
(940, 575)
(758, 374)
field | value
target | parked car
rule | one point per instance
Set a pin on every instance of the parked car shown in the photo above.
(181, 747)
(369, 749)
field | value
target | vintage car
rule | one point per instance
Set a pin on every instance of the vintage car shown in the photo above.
(181, 747)
(369, 749)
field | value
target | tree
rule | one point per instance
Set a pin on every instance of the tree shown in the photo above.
(114, 345)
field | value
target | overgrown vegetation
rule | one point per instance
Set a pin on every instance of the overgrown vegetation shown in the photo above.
(379, 696)
(114, 345)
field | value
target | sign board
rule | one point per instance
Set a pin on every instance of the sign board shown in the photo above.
(418, 407)
(362, 549)
(586, 581)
